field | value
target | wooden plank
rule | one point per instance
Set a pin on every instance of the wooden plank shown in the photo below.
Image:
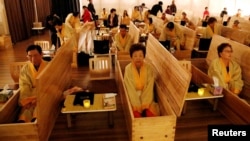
(234, 118)
(183, 54)
(19, 132)
(200, 63)
(123, 55)
(235, 108)
(134, 32)
(169, 79)
(129, 117)
(22, 130)
(9, 110)
(156, 128)
(50, 89)
(200, 77)
(190, 37)
(159, 24)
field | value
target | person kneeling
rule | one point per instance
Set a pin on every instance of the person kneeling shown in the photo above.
(139, 82)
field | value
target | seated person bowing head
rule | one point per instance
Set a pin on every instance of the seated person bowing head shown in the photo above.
(139, 82)
(226, 70)
(27, 84)
(122, 39)
(174, 34)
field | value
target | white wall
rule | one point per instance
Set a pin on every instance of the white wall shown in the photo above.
(191, 7)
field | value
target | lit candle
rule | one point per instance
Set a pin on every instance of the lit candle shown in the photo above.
(201, 91)
(86, 103)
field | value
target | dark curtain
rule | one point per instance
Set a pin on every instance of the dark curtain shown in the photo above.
(43, 10)
(21, 15)
(15, 20)
(63, 7)
(27, 10)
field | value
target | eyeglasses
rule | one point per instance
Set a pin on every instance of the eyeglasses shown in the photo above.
(33, 56)
(228, 51)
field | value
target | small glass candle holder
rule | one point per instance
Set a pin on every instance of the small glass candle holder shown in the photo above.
(201, 91)
(86, 103)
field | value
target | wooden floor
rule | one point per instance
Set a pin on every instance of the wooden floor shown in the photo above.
(93, 126)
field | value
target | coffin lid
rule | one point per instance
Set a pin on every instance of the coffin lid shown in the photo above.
(49, 89)
(173, 79)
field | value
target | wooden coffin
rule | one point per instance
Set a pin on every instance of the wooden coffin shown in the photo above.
(235, 108)
(51, 83)
(240, 36)
(189, 39)
(171, 89)
(8, 108)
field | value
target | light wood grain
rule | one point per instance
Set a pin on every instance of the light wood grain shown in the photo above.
(134, 32)
(168, 74)
(50, 89)
(9, 109)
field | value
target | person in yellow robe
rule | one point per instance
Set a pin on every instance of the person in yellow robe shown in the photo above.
(212, 28)
(139, 81)
(146, 15)
(27, 84)
(73, 21)
(104, 16)
(136, 15)
(149, 27)
(125, 19)
(164, 18)
(236, 25)
(64, 32)
(123, 39)
(174, 34)
(226, 70)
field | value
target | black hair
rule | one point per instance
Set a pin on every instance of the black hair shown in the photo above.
(137, 47)
(123, 26)
(211, 20)
(112, 10)
(170, 25)
(58, 22)
(75, 14)
(221, 47)
(160, 3)
(34, 47)
(150, 20)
